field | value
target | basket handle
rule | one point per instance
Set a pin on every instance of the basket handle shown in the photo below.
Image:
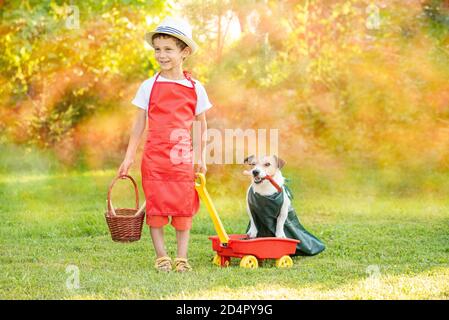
(144, 204)
(110, 207)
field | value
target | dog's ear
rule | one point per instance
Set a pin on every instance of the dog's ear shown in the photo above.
(279, 161)
(248, 159)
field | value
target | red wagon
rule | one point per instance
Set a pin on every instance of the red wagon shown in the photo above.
(250, 251)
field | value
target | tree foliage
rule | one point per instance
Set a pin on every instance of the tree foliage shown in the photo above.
(347, 80)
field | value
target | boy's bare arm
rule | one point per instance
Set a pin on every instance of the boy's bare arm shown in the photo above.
(137, 130)
(202, 164)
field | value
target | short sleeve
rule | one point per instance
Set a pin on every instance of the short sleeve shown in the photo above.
(142, 97)
(203, 102)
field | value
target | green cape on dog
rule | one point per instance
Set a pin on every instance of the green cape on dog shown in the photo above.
(268, 209)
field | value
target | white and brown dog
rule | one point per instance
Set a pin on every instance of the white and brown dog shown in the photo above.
(267, 179)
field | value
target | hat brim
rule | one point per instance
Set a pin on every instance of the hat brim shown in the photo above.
(193, 46)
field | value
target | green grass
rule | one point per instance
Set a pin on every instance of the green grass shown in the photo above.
(380, 245)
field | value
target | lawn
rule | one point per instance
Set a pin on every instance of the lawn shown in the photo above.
(380, 245)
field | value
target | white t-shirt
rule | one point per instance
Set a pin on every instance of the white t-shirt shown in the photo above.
(142, 97)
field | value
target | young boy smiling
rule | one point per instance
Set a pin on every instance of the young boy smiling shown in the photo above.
(169, 101)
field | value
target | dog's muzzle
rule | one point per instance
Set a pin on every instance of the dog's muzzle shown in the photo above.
(256, 176)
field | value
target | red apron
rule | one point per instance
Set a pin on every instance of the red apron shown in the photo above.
(168, 178)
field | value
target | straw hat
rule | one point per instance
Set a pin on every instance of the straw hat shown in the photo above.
(175, 27)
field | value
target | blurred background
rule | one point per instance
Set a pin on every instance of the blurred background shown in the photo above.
(359, 90)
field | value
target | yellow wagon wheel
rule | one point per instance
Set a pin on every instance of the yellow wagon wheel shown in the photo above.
(217, 261)
(284, 262)
(249, 262)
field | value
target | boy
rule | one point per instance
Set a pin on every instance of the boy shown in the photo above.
(171, 101)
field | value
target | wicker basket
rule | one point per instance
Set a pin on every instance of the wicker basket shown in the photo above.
(125, 224)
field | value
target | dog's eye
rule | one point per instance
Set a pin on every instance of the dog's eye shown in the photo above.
(267, 164)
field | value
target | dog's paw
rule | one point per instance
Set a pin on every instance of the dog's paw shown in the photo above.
(280, 234)
(252, 233)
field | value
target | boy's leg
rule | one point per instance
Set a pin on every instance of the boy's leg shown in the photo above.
(157, 235)
(182, 237)
(182, 226)
(156, 224)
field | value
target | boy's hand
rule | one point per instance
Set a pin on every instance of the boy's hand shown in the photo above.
(124, 167)
(200, 168)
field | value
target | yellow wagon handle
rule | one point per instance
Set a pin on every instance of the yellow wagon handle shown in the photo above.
(204, 195)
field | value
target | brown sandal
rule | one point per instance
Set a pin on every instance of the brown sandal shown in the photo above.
(182, 265)
(163, 264)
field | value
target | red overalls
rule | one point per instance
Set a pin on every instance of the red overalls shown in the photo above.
(168, 178)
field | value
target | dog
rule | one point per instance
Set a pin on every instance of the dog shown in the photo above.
(268, 203)
(267, 179)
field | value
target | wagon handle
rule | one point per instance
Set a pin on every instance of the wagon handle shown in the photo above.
(110, 207)
(202, 179)
(202, 191)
